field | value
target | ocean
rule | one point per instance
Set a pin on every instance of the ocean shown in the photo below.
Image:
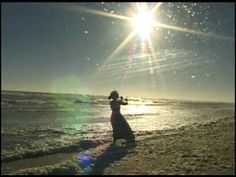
(35, 124)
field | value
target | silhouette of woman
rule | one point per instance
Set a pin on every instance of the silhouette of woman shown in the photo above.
(121, 129)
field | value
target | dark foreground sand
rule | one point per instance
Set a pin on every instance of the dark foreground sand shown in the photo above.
(208, 149)
(197, 149)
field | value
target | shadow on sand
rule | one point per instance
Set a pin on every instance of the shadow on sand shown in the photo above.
(112, 153)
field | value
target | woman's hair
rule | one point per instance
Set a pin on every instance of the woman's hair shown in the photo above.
(113, 95)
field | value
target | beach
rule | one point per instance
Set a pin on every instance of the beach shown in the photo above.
(79, 77)
(71, 134)
(200, 149)
(197, 150)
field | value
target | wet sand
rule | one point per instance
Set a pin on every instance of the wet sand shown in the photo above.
(197, 149)
(203, 149)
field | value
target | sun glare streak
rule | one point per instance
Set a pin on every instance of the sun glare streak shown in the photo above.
(154, 9)
(140, 59)
(98, 12)
(153, 53)
(172, 66)
(167, 61)
(193, 31)
(137, 62)
(162, 67)
(143, 23)
(79, 8)
(121, 46)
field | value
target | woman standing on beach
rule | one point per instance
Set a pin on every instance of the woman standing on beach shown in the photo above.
(121, 129)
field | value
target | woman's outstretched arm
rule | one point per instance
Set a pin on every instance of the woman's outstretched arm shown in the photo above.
(123, 102)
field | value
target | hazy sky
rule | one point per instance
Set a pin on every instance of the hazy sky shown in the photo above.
(64, 47)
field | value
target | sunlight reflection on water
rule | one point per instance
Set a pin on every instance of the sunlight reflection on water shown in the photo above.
(148, 118)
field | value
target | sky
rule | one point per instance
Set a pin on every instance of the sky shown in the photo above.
(184, 51)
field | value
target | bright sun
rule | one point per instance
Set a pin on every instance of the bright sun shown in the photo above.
(143, 22)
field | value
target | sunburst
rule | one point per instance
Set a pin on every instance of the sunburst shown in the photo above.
(143, 24)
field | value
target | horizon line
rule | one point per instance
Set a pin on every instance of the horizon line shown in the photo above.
(180, 99)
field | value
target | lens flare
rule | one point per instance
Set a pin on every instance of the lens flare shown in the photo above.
(143, 23)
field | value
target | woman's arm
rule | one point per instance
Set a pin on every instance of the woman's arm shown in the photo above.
(122, 102)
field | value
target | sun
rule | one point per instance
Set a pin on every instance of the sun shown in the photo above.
(143, 22)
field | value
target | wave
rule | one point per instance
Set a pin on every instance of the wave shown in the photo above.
(75, 146)
(30, 101)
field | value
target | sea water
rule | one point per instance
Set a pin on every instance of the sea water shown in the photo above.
(34, 121)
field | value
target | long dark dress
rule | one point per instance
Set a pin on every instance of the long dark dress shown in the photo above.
(121, 129)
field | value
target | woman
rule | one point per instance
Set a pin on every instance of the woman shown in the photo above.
(121, 129)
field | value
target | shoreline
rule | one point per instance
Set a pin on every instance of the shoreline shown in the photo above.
(196, 149)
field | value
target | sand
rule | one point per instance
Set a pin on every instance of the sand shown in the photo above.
(204, 149)
(197, 149)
